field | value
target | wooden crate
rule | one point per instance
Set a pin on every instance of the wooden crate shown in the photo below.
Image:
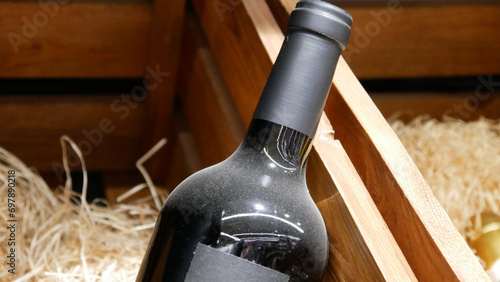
(384, 223)
(89, 40)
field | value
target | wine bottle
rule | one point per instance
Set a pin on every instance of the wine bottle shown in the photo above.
(250, 217)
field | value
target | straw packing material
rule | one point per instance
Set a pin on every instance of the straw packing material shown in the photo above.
(459, 160)
(61, 237)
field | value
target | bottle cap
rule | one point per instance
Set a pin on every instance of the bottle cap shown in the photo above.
(323, 18)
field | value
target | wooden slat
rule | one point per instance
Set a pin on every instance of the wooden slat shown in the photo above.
(230, 27)
(212, 115)
(397, 187)
(428, 239)
(357, 234)
(179, 168)
(418, 38)
(186, 158)
(161, 73)
(73, 39)
(245, 62)
(32, 125)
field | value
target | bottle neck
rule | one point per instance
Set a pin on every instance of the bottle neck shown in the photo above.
(280, 148)
(290, 107)
(297, 88)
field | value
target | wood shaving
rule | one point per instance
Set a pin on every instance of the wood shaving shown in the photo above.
(61, 237)
(459, 160)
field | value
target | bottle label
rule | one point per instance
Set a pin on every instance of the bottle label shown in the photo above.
(212, 265)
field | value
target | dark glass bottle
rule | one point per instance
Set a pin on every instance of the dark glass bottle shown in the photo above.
(250, 217)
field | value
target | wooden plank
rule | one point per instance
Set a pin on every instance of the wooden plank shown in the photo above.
(466, 105)
(163, 61)
(245, 62)
(73, 40)
(397, 187)
(212, 115)
(107, 130)
(186, 158)
(227, 26)
(357, 233)
(347, 246)
(380, 45)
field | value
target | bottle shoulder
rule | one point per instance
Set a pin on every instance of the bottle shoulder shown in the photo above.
(232, 190)
(245, 177)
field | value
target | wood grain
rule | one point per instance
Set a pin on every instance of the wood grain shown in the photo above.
(108, 135)
(243, 69)
(418, 38)
(73, 40)
(404, 199)
(161, 72)
(250, 26)
(358, 234)
(186, 158)
(212, 115)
